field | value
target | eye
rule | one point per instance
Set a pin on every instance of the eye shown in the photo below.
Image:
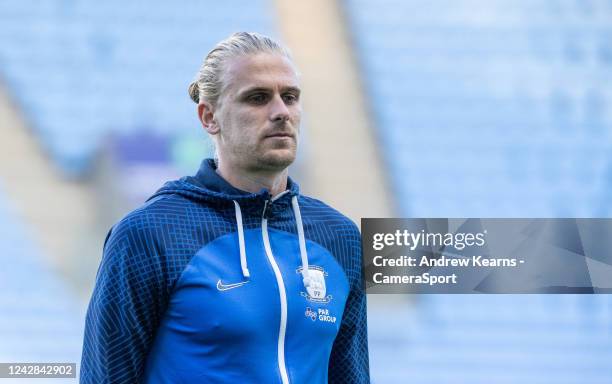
(258, 98)
(290, 98)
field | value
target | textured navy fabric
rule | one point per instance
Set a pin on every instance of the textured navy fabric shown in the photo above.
(147, 252)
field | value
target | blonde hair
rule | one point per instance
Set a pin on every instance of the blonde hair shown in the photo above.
(209, 83)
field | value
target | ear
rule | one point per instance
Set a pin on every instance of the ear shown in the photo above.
(206, 114)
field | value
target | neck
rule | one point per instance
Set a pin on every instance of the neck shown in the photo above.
(253, 181)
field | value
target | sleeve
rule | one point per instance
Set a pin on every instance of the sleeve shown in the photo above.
(125, 308)
(349, 361)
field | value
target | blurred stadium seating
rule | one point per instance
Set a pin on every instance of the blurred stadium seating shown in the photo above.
(40, 318)
(76, 67)
(491, 109)
(497, 109)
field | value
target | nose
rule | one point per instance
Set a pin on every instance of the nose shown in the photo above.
(278, 109)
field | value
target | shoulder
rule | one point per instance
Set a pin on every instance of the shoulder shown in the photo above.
(320, 212)
(149, 231)
(330, 228)
(336, 232)
(146, 221)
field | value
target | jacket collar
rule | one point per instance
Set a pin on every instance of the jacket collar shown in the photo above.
(208, 178)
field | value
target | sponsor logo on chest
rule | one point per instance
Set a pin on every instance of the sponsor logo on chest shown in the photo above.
(322, 314)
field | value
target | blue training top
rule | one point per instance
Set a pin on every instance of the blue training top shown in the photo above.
(206, 283)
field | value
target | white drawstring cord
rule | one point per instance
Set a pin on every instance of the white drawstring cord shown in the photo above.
(243, 261)
(302, 241)
(300, 228)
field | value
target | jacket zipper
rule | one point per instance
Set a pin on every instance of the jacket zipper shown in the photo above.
(283, 298)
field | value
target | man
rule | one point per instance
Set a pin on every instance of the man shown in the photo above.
(232, 276)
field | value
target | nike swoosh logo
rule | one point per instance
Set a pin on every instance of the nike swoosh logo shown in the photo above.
(225, 287)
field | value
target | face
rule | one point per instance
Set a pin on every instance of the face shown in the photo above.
(257, 117)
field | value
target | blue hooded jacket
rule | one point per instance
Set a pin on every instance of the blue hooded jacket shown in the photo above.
(206, 283)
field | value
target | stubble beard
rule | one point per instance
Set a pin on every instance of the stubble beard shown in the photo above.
(275, 156)
(263, 154)
(275, 160)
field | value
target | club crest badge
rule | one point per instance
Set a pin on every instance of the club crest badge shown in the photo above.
(317, 290)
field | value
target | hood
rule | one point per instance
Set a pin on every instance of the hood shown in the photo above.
(207, 185)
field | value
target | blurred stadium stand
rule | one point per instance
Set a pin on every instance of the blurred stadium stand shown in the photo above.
(40, 317)
(493, 339)
(499, 108)
(82, 69)
(491, 109)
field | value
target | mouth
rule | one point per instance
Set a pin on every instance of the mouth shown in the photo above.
(280, 135)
